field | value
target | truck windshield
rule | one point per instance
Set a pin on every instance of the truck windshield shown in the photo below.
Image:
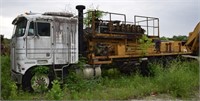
(20, 27)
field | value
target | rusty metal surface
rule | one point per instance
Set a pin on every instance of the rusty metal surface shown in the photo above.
(116, 39)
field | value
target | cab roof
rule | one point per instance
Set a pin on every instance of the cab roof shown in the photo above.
(58, 16)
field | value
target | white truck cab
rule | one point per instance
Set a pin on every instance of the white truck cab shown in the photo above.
(49, 39)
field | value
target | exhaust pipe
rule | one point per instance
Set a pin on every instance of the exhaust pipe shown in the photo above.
(80, 9)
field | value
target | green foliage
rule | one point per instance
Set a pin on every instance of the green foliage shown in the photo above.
(180, 79)
(145, 43)
(164, 38)
(13, 91)
(88, 19)
(175, 38)
(76, 83)
(41, 70)
(56, 92)
(112, 72)
(82, 61)
(8, 87)
(179, 38)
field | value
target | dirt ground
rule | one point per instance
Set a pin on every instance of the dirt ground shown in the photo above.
(166, 97)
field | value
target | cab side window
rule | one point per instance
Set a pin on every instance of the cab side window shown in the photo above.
(43, 29)
(39, 28)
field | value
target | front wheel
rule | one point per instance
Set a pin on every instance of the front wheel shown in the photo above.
(35, 82)
(40, 82)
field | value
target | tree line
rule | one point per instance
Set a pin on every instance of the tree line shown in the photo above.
(175, 38)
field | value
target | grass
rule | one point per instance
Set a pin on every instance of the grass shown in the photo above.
(7, 86)
(180, 80)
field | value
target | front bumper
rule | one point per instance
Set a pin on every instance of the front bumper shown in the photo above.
(17, 77)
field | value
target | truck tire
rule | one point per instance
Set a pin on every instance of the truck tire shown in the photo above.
(36, 83)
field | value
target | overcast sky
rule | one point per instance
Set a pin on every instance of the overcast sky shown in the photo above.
(177, 17)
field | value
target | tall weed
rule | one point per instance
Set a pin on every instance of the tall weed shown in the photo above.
(8, 87)
(56, 92)
(178, 80)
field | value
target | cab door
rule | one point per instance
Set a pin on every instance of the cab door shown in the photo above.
(38, 43)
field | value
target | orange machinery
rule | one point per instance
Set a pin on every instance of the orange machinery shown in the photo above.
(107, 40)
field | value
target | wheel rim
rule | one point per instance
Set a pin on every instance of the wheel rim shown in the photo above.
(40, 82)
